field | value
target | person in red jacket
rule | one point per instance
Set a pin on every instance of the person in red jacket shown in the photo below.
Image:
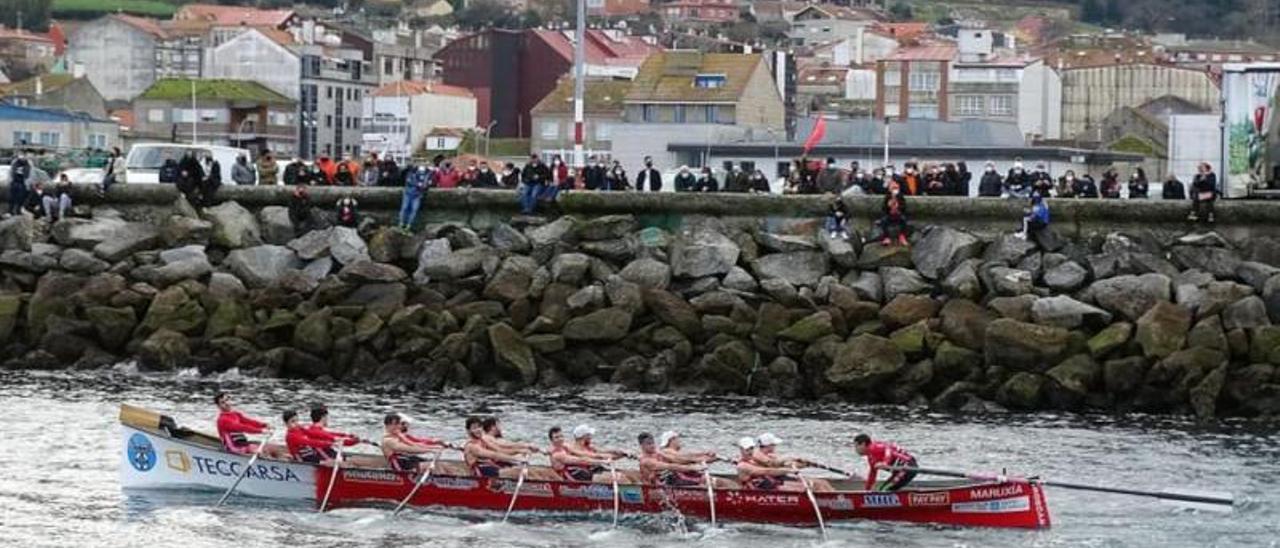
(234, 427)
(883, 454)
(302, 445)
(319, 429)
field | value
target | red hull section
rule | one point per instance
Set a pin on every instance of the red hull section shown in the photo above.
(1014, 505)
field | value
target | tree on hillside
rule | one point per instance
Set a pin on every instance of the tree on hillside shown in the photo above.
(901, 11)
(481, 14)
(28, 14)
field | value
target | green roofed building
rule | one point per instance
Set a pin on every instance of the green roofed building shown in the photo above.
(235, 113)
(602, 111)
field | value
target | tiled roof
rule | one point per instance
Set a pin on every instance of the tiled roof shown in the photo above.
(601, 47)
(234, 15)
(27, 114)
(599, 97)
(179, 89)
(924, 53)
(905, 31)
(144, 24)
(123, 116)
(841, 12)
(19, 34)
(669, 76)
(413, 87)
(48, 83)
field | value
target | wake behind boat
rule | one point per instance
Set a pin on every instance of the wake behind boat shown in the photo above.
(159, 454)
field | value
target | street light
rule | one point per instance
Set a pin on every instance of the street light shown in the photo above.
(488, 137)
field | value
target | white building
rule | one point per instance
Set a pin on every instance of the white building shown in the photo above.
(253, 55)
(399, 116)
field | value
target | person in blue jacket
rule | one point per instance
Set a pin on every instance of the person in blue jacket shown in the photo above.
(416, 184)
(1036, 219)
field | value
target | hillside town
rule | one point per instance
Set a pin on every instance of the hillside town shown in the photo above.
(734, 86)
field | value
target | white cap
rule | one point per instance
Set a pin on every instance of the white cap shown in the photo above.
(746, 443)
(403, 417)
(666, 437)
(766, 439)
(582, 430)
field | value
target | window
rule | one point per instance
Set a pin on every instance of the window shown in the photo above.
(211, 115)
(183, 115)
(709, 81)
(388, 65)
(970, 105)
(927, 112)
(550, 130)
(98, 141)
(783, 169)
(892, 110)
(604, 131)
(193, 58)
(649, 113)
(679, 114)
(328, 121)
(1001, 105)
(328, 92)
(711, 113)
(49, 138)
(924, 81)
(155, 115)
(22, 137)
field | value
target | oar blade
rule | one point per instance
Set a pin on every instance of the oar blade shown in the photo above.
(1209, 501)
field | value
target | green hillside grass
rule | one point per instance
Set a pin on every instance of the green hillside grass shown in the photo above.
(86, 9)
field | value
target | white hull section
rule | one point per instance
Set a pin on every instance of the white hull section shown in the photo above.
(150, 461)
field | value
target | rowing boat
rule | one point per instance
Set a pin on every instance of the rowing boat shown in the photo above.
(160, 455)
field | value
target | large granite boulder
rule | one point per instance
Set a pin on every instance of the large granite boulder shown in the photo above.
(1163, 330)
(1131, 296)
(277, 227)
(1063, 311)
(263, 265)
(965, 323)
(865, 363)
(940, 249)
(703, 252)
(512, 355)
(234, 227)
(898, 281)
(346, 246)
(605, 325)
(799, 268)
(1024, 346)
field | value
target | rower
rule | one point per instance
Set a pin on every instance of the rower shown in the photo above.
(763, 469)
(233, 425)
(402, 452)
(884, 454)
(302, 446)
(320, 428)
(443, 467)
(483, 460)
(657, 469)
(671, 450)
(583, 447)
(493, 439)
(571, 467)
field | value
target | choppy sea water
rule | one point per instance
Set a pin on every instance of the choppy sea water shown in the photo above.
(62, 446)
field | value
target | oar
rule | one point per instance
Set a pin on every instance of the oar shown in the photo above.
(417, 485)
(247, 467)
(711, 493)
(333, 477)
(524, 467)
(613, 474)
(808, 489)
(831, 469)
(1220, 499)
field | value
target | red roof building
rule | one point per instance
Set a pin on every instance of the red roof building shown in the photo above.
(509, 72)
(701, 11)
(223, 16)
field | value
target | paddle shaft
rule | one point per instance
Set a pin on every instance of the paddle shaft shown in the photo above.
(617, 501)
(247, 467)
(333, 478)
(711, 493)
(817, 510)
(524, 468)
(417, 485)
(1183, 497)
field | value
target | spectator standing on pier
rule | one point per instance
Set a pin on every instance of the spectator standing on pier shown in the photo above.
(212, 180)
(649, 177)
(241, 173)
(294, 172)
(707, 182)
(685, 180)
(616, 178)
(1066, 187)
(1173, 189)
(1110, 184)
(990, 186)
(830, 179)
(1204, 193)
(486, 178)
(1138, 187)
(267, 169)
(1086, 187)
(1017, 183)
(758, 183)
(593, 175)
(510, 176)
(19, 174)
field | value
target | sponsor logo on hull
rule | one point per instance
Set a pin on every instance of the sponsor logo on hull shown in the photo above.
(929, 499)
(999, 492)
(665, 495)
(371, 476)
(177, 460)
(1001, 506)
(455, 484)
(527, 490)
(881, 500)
(762, 499)
(840, 502)
(259, 471)
(140, 453)
(599, 491)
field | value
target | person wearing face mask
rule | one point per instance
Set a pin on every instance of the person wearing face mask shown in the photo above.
(1138, 187)
(510, 176)
(991, 185)
(934, 183)
(893, 223)
(858, 184)
(348, 212)
(593, 176)
(616, 178)
(212, 180)
(415, 186)
(1066, 185)
(559, 173)
(1041, 181)
(1086, 187)
(486, 177)
(736, 180)
(758, 183)
(1017, 184)
(1173, 189)
(535, 177)
(831, 178)
(649, 177)
(911, 184)
(706, 182)
(469, 176)
(1110, 184)
(685, 180)
(963, 178)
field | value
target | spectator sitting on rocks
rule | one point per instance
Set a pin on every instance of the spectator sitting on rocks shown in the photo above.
(535, 176)
(486, 178)
(1204, 192)
(190, 177)
(241, 173)
(685, 181)
(990, 185)
(837, 224)
(1085, 187)
(348, 212)
(758, 183)
(57, 201)
(33, 200)
(706, 182)
(293, 172)
(1066, 185)
(560, 174)
(1138, 187)
(1173, 189)
(415, 186)
(510, 176)
(893, 224)
(1036, 218)
(300, 209)
(113, 169)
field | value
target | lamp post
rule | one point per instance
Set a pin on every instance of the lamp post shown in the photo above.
(488, 137)
(579, 86)
(886, 142)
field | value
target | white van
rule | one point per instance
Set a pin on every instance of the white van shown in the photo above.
(142, 164)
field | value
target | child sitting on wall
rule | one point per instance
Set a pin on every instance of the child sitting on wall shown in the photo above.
(837, 224)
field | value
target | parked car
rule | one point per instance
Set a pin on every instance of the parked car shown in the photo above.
(142, 164)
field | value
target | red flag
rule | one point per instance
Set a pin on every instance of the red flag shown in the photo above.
(819, 132)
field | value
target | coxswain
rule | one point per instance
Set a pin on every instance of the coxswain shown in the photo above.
(233, 427)
(302, 445)
(766, 470)
(571, 467)
(885, 455)
(583, 447)
(402, 453)
(657, 469)
(483, 460)
(670, 447)
(494, 440)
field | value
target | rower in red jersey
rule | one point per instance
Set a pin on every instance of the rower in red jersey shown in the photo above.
(233, 427)
(571, 467)
(319, 429)
(883, 454)
(403, 453)
(302, 445)
(657, 469)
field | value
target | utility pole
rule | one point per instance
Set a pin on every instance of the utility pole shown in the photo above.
(195, 114)
(579, 87)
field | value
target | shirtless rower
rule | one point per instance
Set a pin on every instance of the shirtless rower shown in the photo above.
(485, 461)
(882, 454)
(571, 467)
(403, 453)
(233, 427)
(657, 469)
(582, 447)
(494, 440)
(671, 450)
(765, 470)
(302, 446)
(443, 467)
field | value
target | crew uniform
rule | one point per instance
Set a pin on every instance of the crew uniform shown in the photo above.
(404, 462)
(319, 433)
(485, 467)
(575, 472)
(232, 427)
(307, 448)
(882, 454)
(763, 482)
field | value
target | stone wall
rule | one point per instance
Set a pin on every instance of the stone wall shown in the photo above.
(690, 293)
